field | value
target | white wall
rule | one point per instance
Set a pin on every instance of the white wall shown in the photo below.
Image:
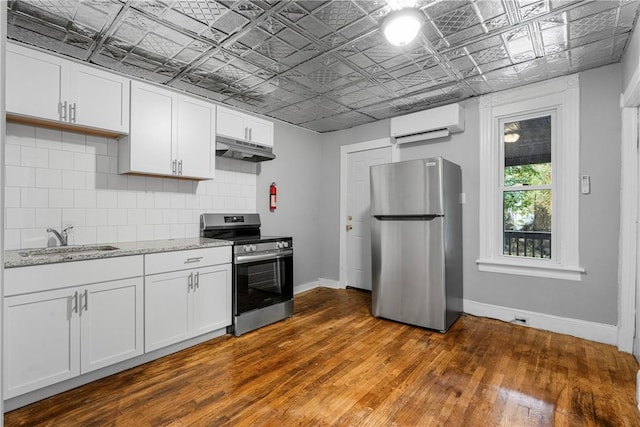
(297, 173)
(592, 299)
(631, 58)
(56, 178)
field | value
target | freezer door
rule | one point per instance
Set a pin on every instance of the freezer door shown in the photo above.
(408, 271)
(413, 187)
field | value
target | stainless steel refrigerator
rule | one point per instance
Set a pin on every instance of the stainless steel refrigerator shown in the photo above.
(416, 242)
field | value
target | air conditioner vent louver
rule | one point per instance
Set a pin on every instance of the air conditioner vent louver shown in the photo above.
(428, 124)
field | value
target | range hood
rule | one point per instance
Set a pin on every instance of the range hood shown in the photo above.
(242, 150)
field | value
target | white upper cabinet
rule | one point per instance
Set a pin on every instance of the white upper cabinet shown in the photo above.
(237, 125)
(171, 135)
(47, 88)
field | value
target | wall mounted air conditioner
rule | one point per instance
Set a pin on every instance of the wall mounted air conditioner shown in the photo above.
(428, 124)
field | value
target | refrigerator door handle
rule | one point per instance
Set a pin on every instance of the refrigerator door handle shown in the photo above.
(407, 217)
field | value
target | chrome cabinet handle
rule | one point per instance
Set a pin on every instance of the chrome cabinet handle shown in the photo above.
(75, 302)
(63, 111)
(180, 167)
(250, 134)
(173, 167)
(86, 300)
(194, 259)
(72, 112)
(190, 281)
(197, 280)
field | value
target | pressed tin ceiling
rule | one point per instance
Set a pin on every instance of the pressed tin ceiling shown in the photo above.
(325, 65)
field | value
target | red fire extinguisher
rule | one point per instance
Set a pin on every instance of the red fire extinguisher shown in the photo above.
(273, 196)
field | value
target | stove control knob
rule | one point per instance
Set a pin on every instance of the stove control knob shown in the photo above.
(285, 244)
(247, 248)
(253, 248)
(279, 245)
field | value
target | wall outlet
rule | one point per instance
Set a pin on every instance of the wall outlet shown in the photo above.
(521, 320)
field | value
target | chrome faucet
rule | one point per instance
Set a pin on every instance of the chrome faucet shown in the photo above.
(62, 237)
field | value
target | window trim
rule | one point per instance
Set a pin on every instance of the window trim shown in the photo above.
(562, 95)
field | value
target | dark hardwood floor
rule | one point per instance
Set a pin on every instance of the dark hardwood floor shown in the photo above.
(335, 364)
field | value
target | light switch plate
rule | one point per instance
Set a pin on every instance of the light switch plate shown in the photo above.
(585, 184)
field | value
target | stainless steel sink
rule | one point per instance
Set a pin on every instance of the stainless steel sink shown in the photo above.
(65, 250)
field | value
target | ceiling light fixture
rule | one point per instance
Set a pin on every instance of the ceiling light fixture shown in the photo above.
(510, 138)
(400, 27)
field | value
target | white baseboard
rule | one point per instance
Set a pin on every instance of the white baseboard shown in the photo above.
(320, 283)
(333, 284)
(304, 287)
(599, 332)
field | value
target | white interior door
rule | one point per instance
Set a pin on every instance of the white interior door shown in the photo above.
(358, 260)
(636, 342)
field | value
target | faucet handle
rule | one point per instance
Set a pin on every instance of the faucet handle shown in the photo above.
(67, 229)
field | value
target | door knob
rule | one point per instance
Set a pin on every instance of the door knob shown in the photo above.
(349, 227)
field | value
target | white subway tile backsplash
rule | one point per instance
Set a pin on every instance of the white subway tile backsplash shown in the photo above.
(34, 157)
(20, 218)
(48, 178)
(12, 154)
(60, 198)
(95, 217)
(153, 184)
(97, 145)
(116, 182)
(35, 238)
(56, 178)
(107, 199)
(21, 134)
(136, 183)
(34, 198)
(60, 160)
(116, 217)
(73, 179)
(12, 197)
(12, 239)
(74, 216)
(84, 199)
(47, 218)
(106, 234)
(136, 216)
(126, 200)
(127, 233)
(144, 232)
(75, 142)
(83, 236)
(153, 216)
(162, 231)
(49, 139)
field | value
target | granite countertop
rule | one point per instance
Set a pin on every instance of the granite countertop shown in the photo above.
(39, 256)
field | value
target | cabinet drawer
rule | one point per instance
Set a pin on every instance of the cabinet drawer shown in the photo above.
(22, 280)
(181, 260)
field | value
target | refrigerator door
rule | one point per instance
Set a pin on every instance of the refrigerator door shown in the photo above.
(408, 271)
(410, 188)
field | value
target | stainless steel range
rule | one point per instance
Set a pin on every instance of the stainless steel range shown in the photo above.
(262, 270)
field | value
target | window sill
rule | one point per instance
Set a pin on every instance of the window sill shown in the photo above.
(544, 269)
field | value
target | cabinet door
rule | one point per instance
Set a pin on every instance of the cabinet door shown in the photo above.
(153, 130)
(111, 316)
(231, 124)
(33, 83)
(166, 314)
(100, 99)
(196, 137)
(261, 131)
(42, 340)
(212, 299)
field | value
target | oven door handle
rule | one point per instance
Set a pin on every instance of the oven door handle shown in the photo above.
(244, 259)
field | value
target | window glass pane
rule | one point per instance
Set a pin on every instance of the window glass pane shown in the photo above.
(527, 223)
(527, 152)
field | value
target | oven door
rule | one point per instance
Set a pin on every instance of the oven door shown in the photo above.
(261, 280)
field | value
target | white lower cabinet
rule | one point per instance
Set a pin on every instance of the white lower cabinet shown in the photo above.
(55, 335)
(186, 303)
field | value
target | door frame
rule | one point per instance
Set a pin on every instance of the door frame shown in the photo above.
(629, 260)
(345, 150)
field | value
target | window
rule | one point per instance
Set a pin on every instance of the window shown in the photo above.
(529, 183)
